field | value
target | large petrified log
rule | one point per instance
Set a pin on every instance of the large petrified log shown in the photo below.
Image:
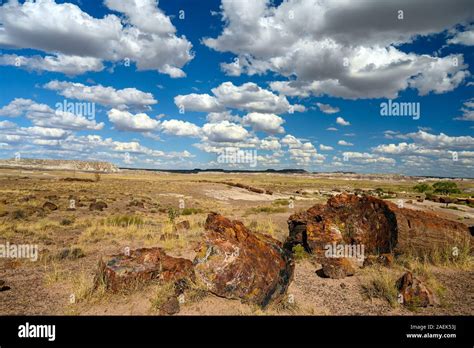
(233, 262)
(345, 219)
(382, 227)
(125, 270)
(422, 231)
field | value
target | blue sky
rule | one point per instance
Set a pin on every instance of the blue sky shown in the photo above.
(298, 84)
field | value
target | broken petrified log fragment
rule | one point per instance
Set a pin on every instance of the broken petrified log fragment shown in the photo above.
(235, 263)
(141, 265)
(379, 225)
(338, 268)
(182, 226)
(50, 206)
(414, 292)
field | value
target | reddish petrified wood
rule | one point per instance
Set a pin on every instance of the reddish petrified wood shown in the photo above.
(414, 292)
(141, 265)
(233, 262)
(380, 226)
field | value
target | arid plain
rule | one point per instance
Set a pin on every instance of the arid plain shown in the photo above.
(62, 212)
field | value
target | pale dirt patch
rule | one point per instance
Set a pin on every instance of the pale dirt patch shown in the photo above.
(462, 212)
(238, 194)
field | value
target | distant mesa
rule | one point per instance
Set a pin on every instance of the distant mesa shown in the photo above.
(53, 164)
(220, 170)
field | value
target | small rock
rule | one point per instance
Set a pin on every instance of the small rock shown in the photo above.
(26, 198)
(338, 268)
(71, 254)
(183, 225)
(98, 206)
(3, 287)
(50, 206)
(170, 307)
(137, 204)
(122, 271)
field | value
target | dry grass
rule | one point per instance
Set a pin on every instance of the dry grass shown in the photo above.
(162, 293)
(380, 284)
(54, 274)
(264, 226)
(453, 255)
(99, 231)
(425, 271)
(286, 305)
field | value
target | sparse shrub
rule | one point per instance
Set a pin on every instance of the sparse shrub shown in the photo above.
(452, 208)
(18, 214)
(191, 211)
(69, 253)
(429, 196)
(299, 253)
(97, 177)
(162, 295)
(381, 285)
(66, 222)
(253, 225)
(287, 305)
(125, 220)
(83, 286)
(172, 215)
(265, 226)
(283, 202)
(195, 294)
(266, 209)
(54, 275)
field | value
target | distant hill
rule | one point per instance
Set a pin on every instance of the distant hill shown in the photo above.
(50, 164)
(218, 170)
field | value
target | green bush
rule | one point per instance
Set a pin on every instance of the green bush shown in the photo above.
(299, 253)
(172, 214)
(421, 188)
(446, 187)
